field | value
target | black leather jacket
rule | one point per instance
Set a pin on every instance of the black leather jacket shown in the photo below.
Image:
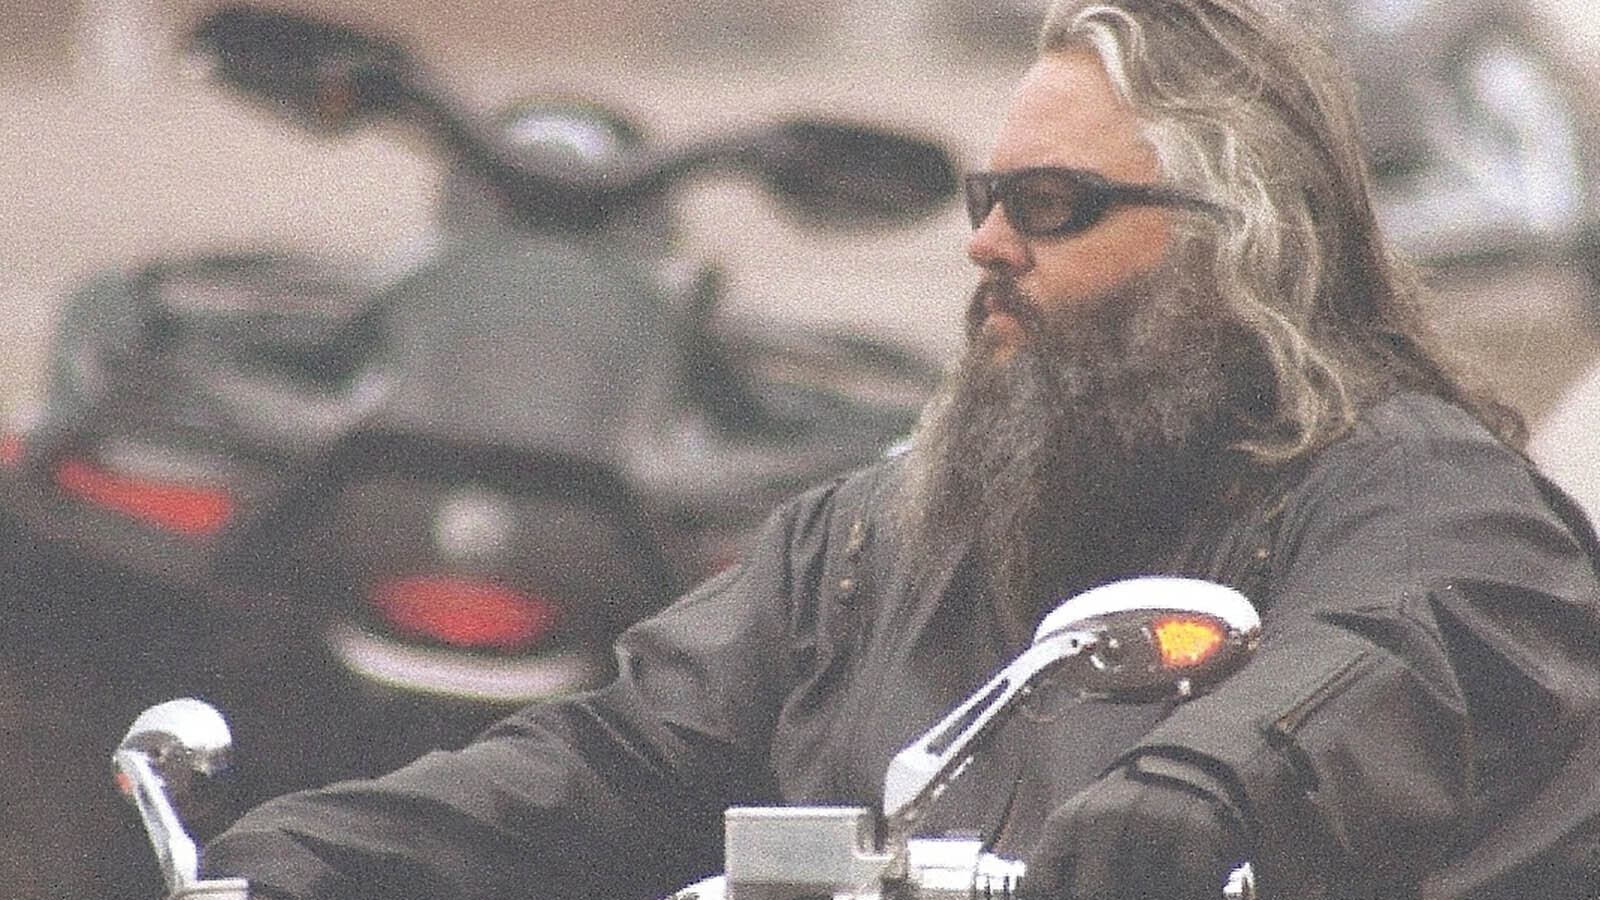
(1427, 686)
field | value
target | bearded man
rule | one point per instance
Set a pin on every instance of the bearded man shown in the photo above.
(1190, 353)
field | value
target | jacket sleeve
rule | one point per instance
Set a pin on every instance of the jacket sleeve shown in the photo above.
(1428, 660)
(617, 792)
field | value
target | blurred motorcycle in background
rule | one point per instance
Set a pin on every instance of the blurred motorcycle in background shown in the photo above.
(373, 507)
(1479, 128)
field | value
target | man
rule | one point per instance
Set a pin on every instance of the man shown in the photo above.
(1190, 352)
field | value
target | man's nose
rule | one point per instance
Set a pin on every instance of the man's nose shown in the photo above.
(997, 247)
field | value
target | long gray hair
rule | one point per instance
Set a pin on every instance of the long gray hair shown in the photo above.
(1245, 105)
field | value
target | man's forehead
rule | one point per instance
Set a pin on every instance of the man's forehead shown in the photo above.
(1066, 112)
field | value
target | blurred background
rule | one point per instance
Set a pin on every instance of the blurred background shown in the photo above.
(1481, 116)
(113, 156)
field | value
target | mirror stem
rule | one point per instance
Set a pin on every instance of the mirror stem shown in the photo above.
(919, 773)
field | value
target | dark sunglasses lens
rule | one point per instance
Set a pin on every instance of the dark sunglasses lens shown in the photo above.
(1043, 203)
(1037, 203)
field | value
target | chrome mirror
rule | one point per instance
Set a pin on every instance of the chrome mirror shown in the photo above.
(1126, 640)
(1146, 637)
(166, 749)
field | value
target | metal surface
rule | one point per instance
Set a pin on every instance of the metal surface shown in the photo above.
(782, 853)
(1107, 623)
(920, 772)
(166, 744)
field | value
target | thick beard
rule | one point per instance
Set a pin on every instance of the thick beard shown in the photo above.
(1080, 456)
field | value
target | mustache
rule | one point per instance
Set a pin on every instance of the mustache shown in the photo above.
(1000, 294)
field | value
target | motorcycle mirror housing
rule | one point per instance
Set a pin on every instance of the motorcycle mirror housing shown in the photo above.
(841, 174)
(1153, 636)
(181, 737)
(1137, 639)
(327, 76)
(165, 748)
(331, 78)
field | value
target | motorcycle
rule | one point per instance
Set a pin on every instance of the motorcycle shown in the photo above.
(1133, 639)
(439, 492)
(375, 507)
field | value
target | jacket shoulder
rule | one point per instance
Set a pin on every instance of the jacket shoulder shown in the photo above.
(1408, 418)
(1415, 438)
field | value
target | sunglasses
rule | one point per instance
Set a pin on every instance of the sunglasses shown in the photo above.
(1052, 201)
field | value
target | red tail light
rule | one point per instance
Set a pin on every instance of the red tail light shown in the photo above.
(196, 510)
(465, 612)
(12, 448)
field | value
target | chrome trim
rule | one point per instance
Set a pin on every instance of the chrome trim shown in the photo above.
(445, 672)
(1150, 594)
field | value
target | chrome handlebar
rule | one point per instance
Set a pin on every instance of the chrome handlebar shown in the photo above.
(1124, 638)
